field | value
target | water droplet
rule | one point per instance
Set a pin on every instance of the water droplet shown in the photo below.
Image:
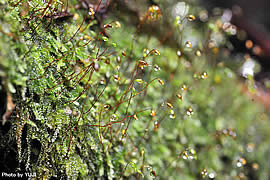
(212, 175)
(142, 152)
(156, 67)
(240, 162)
(189, 153)
(191, 17)
(117, 24)
(198, 53)
(156, 125)
(153, 13)
(107, 107)
(116, 78)
(179, 53)
(104, 38)
(91, 12)
(161, 82)
(118, 67)
(102, 81)
(204, 75)
(145, 52)
(188, 44)
(108, 26)
(169, 105)
(204, 173)
(184, 87)
(140, 81)
(189, 111)
(172, 114)
(142, 64)
(135, 117)
(118, 59)
(153, 113)
(179, 96)
(156, 52)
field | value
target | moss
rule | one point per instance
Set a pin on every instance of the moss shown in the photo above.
(84, 100)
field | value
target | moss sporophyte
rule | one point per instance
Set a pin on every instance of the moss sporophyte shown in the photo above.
(102, 92)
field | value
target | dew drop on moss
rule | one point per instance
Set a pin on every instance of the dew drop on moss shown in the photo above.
(188, 44)
(156, 67)
(191, 17)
